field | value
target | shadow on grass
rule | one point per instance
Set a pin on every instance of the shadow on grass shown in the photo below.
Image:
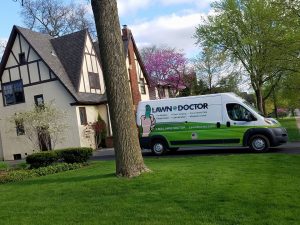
(65, 179)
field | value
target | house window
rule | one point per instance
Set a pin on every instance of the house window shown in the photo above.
(13, 92)
(161, 92)
(94, 80)
(82, 113)
(39, 100)
(22, 59)
(142, 86)
(20, 127)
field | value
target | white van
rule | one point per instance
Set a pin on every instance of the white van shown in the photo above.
(206, 120)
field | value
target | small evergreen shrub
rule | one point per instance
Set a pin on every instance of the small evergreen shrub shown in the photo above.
(75, 155)
(42, 159)
(19, 175)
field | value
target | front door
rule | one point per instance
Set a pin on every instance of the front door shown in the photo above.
(44, 139)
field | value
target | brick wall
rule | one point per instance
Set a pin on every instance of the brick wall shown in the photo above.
(136, 95)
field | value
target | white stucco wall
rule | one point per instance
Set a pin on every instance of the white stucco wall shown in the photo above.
(90, 64)
(51, 91)
(10, 143)
(92, 114)
(140, 74)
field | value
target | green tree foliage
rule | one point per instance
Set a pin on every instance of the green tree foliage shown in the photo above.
(209, 65)
(261, 34)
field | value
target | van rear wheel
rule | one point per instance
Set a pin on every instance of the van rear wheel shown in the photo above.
(259, 143)
(158, 147)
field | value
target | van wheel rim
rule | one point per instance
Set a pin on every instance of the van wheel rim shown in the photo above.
(158, 148)
(259, 144)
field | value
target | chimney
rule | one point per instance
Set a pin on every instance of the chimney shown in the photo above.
(125, 32)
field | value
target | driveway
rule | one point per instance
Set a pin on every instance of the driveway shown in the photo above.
(289, 148)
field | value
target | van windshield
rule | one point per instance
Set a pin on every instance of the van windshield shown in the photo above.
(253, 108)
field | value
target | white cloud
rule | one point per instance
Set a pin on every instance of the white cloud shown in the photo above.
(131, 6)
(172, 30)
(201, 3)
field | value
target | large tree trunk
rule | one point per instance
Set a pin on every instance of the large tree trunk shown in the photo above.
(129, 160)
(259, 99)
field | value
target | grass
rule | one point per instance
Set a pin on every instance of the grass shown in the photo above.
(290, 124)
(232, 189)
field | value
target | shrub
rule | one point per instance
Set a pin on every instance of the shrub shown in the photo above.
(19, 175)
(42, 171)
(75, 155)
(42, 159)
(16, 175)
(4, 166)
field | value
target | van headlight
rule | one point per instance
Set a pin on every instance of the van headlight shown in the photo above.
(270, 121)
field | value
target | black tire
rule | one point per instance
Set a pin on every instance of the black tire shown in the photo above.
(173, 149)
(158, 147)
(259, 143)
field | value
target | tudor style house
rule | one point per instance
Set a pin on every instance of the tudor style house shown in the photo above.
(37, 68)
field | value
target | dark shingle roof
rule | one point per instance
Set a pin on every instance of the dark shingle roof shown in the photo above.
(66, 62)
(70, 50)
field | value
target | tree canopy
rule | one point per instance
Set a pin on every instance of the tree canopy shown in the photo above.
(263, 35)
(55, 17)
(165, 64)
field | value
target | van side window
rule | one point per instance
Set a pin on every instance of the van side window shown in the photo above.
(238, 113)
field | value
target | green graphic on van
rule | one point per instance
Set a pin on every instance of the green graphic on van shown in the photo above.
(147, 122)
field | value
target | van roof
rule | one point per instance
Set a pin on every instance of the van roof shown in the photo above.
(231, 94)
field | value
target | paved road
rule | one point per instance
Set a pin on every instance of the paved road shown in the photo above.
(289, 148)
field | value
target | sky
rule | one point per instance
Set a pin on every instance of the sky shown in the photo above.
(152, 22)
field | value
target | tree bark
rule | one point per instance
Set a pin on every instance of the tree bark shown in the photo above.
(259, 100)
(129, 160)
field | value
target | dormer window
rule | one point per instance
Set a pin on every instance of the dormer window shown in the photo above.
(94, 80)
(22, 58)
(142, 86)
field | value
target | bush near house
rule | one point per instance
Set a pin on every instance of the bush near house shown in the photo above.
(42, 159)
(75, 155)
(68, 155)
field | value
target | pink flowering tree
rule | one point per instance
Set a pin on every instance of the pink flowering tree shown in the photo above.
(166, 67)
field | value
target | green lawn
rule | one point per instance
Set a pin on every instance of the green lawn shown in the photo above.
(233, 189)
(291, 126)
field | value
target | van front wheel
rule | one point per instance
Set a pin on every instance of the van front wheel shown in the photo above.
(259, 143)
(158, 147)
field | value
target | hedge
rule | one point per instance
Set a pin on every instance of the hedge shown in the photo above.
(75, 155)
(42, 159)
(68, 155)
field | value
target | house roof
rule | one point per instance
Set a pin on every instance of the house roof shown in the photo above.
(64, 57)
(70, 51)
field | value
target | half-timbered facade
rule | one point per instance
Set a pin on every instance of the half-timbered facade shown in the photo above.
(38, 68)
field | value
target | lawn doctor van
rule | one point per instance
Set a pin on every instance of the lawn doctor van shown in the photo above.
(206, 120)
